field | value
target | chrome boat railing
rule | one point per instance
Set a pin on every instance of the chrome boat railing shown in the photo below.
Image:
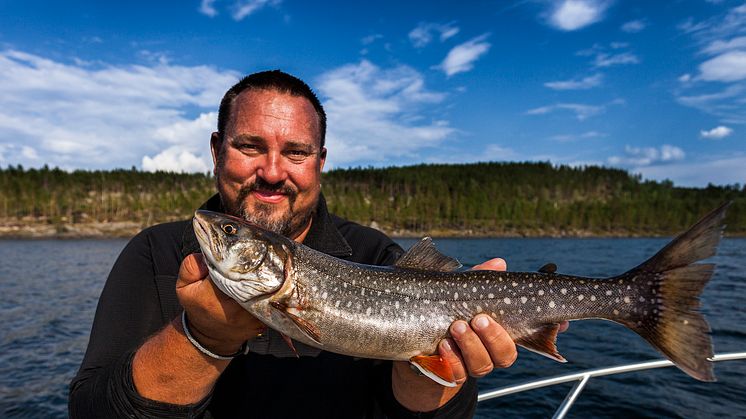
(583, 377)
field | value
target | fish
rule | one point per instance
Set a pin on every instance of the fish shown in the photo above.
(402, 312)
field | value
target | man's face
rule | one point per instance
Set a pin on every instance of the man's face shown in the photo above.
(268, 165)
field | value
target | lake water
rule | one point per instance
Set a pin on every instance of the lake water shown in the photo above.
(49, 291)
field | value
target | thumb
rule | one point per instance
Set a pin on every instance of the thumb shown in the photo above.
(496, 264)
(193, 269)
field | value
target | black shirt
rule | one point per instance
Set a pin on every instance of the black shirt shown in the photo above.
(139, 299)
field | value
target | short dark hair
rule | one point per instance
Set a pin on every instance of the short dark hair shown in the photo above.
(271, 80)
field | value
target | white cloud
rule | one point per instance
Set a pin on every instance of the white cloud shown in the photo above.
(367, 40)
(582, 84)
(243, 8)
(716, 133)
(582, 112)
(718, 46)
(462, 57)
(379, 115)
(718, 170)
(566, 138)
(175, 159)
(608, 60)
(570, 15)
(207, 8)
(726, 67)
(685, 78)
(422, 35)
(646, 156)
(634, 26)
(104, 116)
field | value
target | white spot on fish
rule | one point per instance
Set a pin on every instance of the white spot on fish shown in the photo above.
(580, 297)
(479, 309)
(531, 285)
(626, 300)
(563, 291)
(315, 289)
(349, 304)
(642, 299)
(406, 299)
(337, 303)
(396, 305)
(608, 292)
(473, 289)
(523, 300)
(324, 295)
(502, 312)
(685, 321)
(490, 295)
(551, 304)
(538, 308)
(541, 292)
(368, 311)
(593, 298)
(465, 305)
(616, 311)
(455, 296)
(515, 284)
(422, 318)
(506, 300)
(595, 287)
(551, 281)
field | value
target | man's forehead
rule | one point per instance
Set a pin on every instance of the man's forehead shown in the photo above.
(275, 104)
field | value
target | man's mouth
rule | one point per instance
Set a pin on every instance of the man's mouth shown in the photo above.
(270, 197)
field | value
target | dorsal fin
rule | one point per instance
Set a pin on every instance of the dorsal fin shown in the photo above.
(426, 257)
(549, 268)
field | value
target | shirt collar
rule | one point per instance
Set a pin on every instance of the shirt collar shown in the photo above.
(322, 236)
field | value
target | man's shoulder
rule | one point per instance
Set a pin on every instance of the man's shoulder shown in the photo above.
(172, 230)
(368, 244)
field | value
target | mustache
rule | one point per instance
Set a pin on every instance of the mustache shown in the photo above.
(262, 185)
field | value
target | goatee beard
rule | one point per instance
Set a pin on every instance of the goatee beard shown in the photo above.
(288, 224)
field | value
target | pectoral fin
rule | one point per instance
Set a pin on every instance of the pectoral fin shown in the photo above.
(290, 344)
(542, 340)
(435, 368)
(305, 326)
(549, 268)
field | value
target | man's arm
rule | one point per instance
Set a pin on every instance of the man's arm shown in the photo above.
(168, 368)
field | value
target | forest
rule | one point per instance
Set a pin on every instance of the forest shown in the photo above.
(479, 199)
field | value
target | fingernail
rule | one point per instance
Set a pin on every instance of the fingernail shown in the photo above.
(481, 322)
(445, 345)
(459, 327)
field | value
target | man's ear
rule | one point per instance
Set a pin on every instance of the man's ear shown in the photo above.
(215, 144)
(322, 158)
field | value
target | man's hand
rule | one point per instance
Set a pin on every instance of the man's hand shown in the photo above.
(476, 349)
(167, 367)
(217, 321)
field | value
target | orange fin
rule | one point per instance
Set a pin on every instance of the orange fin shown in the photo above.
(289, 341)
(542, 341)
(436, 368)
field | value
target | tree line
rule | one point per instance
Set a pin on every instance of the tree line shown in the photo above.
(493, 198)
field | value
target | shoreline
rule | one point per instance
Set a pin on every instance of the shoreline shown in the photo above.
(128, 229)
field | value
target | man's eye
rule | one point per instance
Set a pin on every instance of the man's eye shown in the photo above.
(298, 155)
(248, 147)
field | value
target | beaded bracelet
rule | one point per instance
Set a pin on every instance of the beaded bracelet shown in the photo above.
(243, 350)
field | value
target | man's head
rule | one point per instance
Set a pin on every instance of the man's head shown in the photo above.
(269, 152)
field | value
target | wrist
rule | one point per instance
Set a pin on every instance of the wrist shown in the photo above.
(209, 346)
(416, 392)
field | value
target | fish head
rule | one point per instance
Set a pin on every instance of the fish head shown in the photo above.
(245, 261)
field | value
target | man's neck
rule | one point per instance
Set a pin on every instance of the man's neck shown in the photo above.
(302, 236)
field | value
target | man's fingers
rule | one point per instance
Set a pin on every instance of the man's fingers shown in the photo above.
(193, 269)
(450, 353)
(496, 340)
(496, 264)
(563, 326)
(477, 360)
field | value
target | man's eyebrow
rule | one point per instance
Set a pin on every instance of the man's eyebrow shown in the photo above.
(248, 138)
(300, 145)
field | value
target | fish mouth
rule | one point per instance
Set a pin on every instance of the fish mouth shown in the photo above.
(205, 237)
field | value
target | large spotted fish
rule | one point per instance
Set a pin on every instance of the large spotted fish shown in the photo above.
(402, 312)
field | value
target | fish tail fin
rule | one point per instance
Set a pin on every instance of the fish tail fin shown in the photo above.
(672, 323)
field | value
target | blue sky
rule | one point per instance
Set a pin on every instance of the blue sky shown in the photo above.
(655, 87)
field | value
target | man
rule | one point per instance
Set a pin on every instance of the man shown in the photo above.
(268, 155)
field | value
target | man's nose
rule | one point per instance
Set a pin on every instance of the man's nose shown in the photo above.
(272, 169)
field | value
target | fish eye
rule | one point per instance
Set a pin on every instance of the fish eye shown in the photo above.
(230, 229)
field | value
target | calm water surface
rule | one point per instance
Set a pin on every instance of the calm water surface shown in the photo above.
(49, 291)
